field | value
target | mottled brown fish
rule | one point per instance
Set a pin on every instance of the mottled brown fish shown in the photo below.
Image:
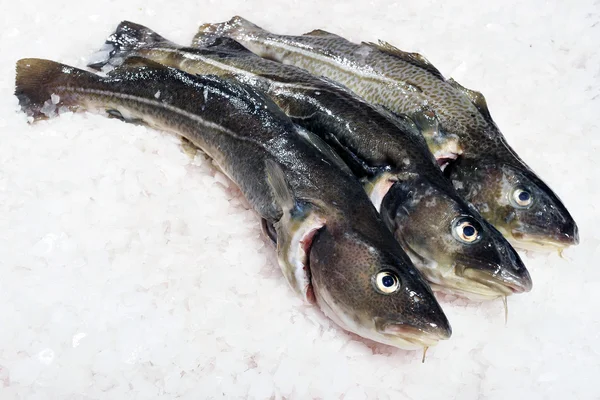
(489, 174)
(331, 244)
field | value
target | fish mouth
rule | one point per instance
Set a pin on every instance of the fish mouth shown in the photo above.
(520, 238)
(496, 284)
(468, 278)
(409, 337)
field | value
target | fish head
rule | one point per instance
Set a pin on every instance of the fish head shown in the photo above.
(518, 203)
(449, 241)
(370, 287)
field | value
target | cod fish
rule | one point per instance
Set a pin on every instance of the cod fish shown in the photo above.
(332, 246)
(489, 174)
(454, 248)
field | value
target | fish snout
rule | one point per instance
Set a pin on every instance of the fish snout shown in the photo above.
(518, 281)
(513, 272)
(497, 271)
(565, 235)
(422, 335)
(502, 282)
(441, 329)
(407, 332)
(570, 234)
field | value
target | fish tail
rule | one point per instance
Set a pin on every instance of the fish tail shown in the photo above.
(44, 87)
(237, 25)
(124, 42)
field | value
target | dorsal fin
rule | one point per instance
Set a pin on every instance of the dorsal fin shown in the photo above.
(225, 43)
(476, 98)
(413, 58)
(321, 33)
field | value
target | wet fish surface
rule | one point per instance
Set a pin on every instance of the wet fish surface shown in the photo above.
(332, 246)
(447, 239)
(489, 173)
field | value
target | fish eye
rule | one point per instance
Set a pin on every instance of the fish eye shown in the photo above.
(521, 198)
(466, 231)
(386, 282)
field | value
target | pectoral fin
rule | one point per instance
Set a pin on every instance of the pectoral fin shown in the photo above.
(378, 187)
(319, 144)
(335, 151)
(268, 230)
(443, 145)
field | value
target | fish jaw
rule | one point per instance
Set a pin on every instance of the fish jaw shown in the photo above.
(466, 286)
(473, 282)
(502, 284)
(381, 330)
(409, 337)
(523, 240)
(467, 278)
(448, 280)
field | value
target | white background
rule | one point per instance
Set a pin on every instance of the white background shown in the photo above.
(127, 270)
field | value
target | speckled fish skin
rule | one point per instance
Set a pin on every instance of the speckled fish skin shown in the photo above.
(422, 209)
(490, 174)
(284, 179)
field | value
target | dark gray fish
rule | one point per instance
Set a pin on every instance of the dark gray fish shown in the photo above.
(447, 240)
(331, 244)
(489, 174)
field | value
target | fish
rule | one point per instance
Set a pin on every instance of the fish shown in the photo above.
(451, 244)
(489, 174)
(332, 246)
